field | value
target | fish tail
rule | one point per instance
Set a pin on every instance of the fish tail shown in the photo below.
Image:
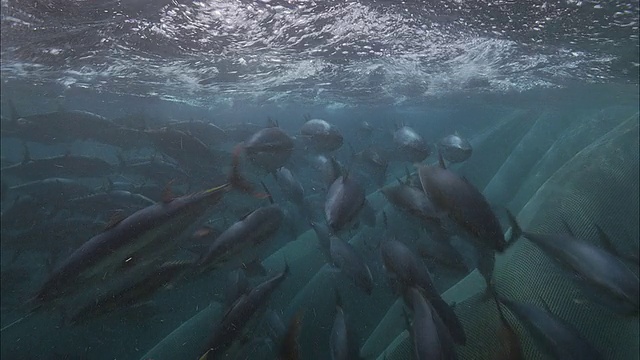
(516, 231)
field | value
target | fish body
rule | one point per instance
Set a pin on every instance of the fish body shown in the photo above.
(344, 201)
(269, 148)
(556, 337)
(244, 241)
(345, 257)
(603, 275)
(454, 148)
(148, 233)
(410, 145)
(236, 318)
(430, 339)
(410, 272)
(321, 136)
(289, 185)
(464, 204)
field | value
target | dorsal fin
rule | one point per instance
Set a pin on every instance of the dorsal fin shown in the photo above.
(26, 155)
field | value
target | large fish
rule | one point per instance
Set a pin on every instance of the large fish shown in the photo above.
(410, 145)
(454, 148)
(244, 241)
(228, 331)
(57, 127)
(269, 148)
(602, 275)
(68, 166)
(320, 135)
(140, 237)
(342, 342)
(345, 200)
(463, 203)
(431, 340)
(131, 291)
(289, 185)
(409, 271)
(413, 201)
(345, 257)
(555, 336)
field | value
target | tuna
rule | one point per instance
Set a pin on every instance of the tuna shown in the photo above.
(602, 275)
(229, 330)
(344, 201)
(454, 148)
(142, 237)
(321, 136)
(351, 264)
(555, 336)
(410, 145)
(430, 338)
(269, 148)
(244, 241)
(409, 271)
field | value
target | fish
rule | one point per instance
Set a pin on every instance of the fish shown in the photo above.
(147, 233)
(321, 136)
(431, 340)
(463, 203)
(52, 190)
(206, 132)
(454, 148)
(237, 284)
(228, 331)
(65, 166)
(330, 169)
(345, 199)
(351, 264)
(602, 275)
(289, 185)
(132, 290)
(554, 336)
(510, 346)
(63, 126)
(187, 149)
(107, 200)
(342, 343)
(289, 348)
(245, 240)
(414, 202)
(269, 148)
(153, 169)
(323, 234)
(409, 271)
(410, 145)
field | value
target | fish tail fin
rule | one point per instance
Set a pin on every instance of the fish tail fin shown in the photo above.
(516, 231)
